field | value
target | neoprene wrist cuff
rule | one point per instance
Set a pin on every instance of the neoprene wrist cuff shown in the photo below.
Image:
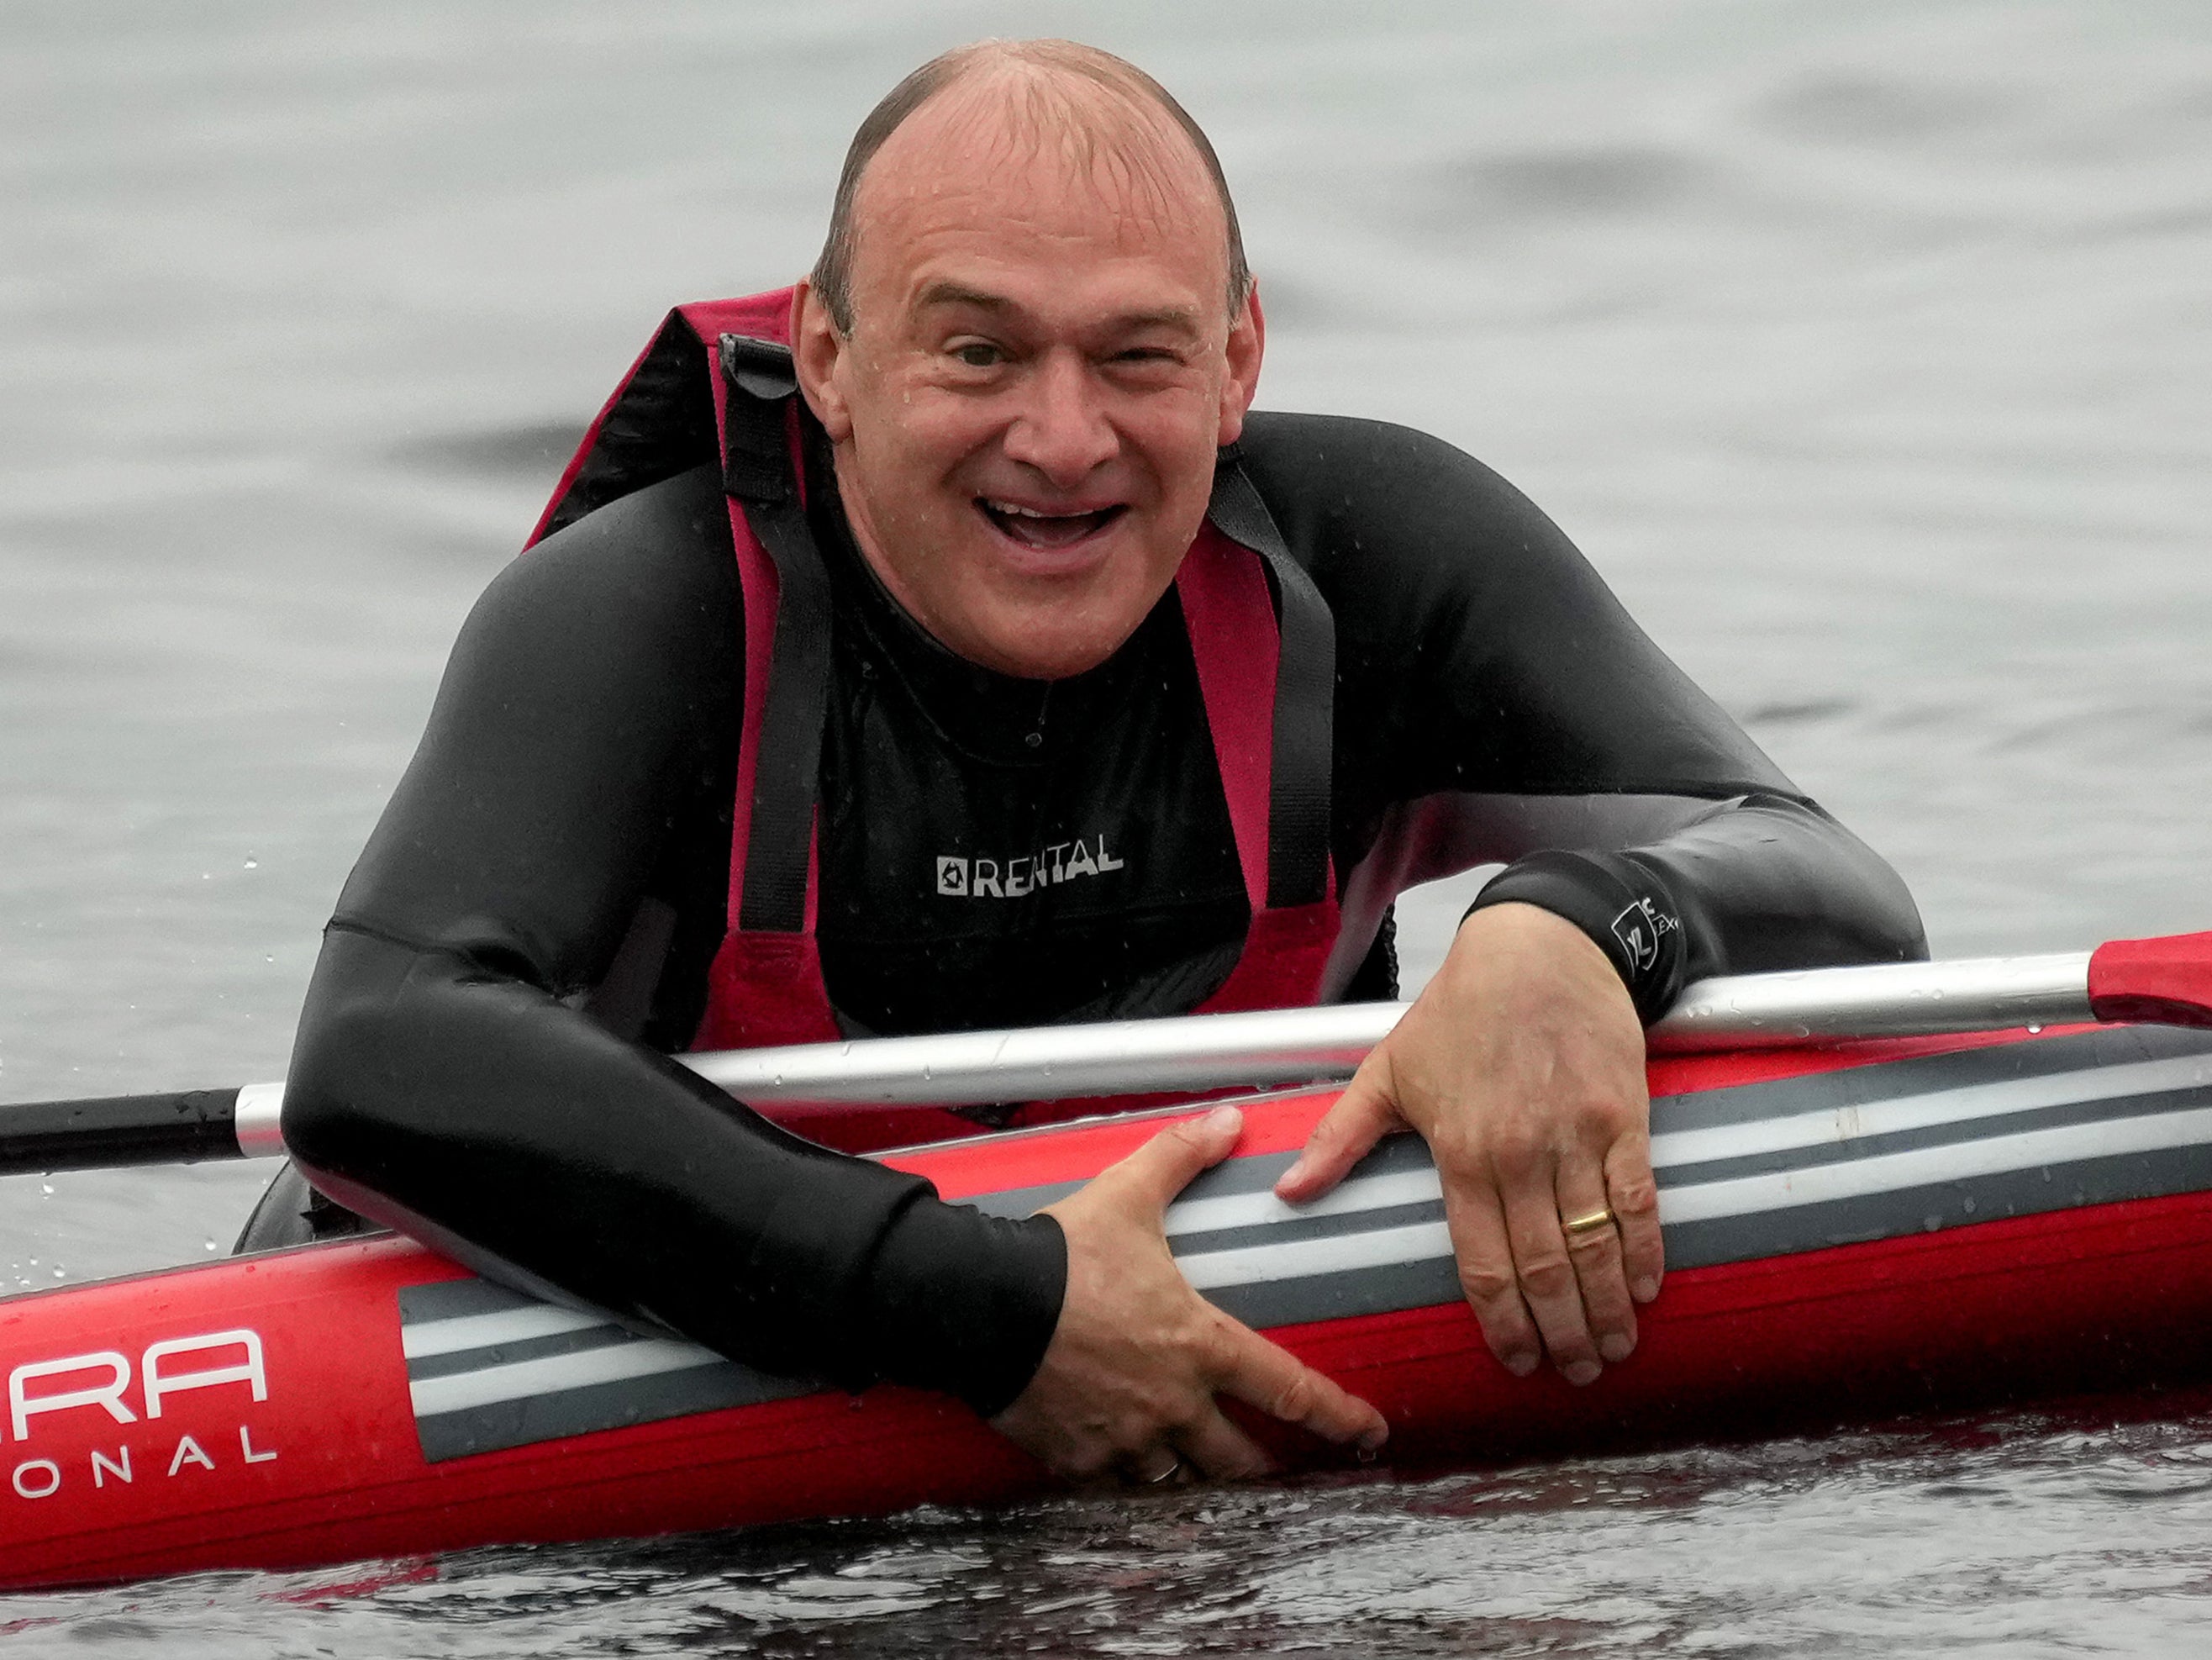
(1623, 906)
(966, 1303)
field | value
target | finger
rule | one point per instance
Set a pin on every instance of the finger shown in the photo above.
(1634, 1195)
(1261, 1375)
(1360, 1117)
(1596, 1253)
(1488, 1276)
(1164, 1165)
(1218, 1450)
(1549, 1282)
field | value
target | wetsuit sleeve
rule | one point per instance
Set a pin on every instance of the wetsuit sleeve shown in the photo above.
(1496, 704)
(445, 1078)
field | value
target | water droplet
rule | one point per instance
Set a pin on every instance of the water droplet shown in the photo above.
(2033, 1028)
(253, 864)
(210, 1243)
(61, 1273)
(47, 1188)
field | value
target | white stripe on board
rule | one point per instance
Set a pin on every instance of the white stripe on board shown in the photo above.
(2001, 1098)
(1745, 1195)
(476, 1331)
(1295, 1259)
(1245, 1210)
(1835, 1126)
(1383, 1247)
(520, 1380)
(1956, 1161)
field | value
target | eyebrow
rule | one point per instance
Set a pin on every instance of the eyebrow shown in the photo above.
(956, 293)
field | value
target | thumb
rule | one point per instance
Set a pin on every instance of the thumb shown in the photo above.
(1363, 1115)
(1164, 1165)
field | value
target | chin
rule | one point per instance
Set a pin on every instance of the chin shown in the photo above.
(1049, 649)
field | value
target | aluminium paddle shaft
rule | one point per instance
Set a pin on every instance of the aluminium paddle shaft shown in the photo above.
(2167, 980)
(1296, 1046)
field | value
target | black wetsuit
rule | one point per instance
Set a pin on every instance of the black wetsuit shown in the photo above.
(477, 1056)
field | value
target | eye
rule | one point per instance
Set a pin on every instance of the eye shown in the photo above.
(979, 355)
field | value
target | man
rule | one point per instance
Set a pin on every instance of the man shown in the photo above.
(1024, 679)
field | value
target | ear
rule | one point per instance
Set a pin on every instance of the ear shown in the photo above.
(1248, 344)
(817, 354)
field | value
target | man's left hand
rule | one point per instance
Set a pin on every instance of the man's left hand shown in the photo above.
(1521, 1065)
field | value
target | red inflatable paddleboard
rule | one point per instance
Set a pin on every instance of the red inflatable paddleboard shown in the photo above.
(1850, 1232)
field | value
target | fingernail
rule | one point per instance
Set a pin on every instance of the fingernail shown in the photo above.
(1645, 1290)
(1616, 1346)
(1289, 1178)
(1521, 1362)
(1224, 1118)
(1371, 1442)
(1583, 1371)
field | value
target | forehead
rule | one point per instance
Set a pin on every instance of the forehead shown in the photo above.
(1072, 173)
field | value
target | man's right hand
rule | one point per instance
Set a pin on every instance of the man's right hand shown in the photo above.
(1128, 1385)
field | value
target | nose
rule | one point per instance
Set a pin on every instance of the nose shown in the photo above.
(1062, 430)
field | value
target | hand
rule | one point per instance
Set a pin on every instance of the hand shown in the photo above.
(1129, 1380)
(1521, 1065)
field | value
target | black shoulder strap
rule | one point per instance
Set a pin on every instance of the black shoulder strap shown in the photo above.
(1305, 695)
(757, 473)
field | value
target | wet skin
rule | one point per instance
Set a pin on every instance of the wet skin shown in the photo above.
(1041, 367)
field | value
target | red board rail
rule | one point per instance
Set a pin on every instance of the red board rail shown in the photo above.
(1851, 1231)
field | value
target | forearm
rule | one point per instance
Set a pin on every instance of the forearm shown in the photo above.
(483, 1106)
(1759, 883)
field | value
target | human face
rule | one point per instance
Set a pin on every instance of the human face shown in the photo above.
(1041, 368)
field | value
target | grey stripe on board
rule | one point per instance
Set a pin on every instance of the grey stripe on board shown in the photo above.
(1257, 1173)
(1905, 1211)
(452, 1299)
(1383, 1290)
(1931, 1208)
(1888, 1080)
(2083, 1054)
(502, 1424)
(1297, 1227)
(1366, 1287)
(1952, 1133)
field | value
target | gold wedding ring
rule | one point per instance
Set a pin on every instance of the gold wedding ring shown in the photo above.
(1579, 1228)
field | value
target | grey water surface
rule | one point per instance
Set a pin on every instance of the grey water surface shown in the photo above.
(1866, 348)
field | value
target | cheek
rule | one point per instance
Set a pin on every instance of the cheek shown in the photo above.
(1178, 435)
(911, 468)
(929, 441)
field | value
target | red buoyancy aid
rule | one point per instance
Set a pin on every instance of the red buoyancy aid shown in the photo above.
(1268, 685)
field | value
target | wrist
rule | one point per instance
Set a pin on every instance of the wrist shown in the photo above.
(1615, 905)
(967, 1303)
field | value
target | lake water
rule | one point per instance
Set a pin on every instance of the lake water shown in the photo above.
(1866, 348)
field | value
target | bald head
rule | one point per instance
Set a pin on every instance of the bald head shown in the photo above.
(1103, 115)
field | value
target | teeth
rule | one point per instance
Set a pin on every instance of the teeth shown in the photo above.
(1012, 511)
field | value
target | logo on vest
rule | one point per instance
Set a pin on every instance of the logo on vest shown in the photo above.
(1013, 879)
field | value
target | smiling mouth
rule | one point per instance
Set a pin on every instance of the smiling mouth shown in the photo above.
(1048, 533)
